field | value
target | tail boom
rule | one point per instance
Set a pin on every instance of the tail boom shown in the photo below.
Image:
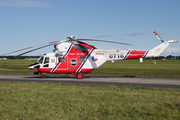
(136, 54)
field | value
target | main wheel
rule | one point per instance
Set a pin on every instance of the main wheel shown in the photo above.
(79, 76)
(42, 76)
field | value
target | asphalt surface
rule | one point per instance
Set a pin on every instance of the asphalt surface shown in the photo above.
(101, 80)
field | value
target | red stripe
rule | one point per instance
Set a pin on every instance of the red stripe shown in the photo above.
(135, 54)
(64, 71)
(45, 70)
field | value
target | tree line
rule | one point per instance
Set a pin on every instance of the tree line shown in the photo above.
(169, 57)
(19, 57)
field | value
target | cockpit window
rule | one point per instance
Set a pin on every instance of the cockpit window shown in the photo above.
(40, 60)
(81, 48)
(46, 60)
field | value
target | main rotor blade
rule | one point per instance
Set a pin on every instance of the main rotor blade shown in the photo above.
(80, 42)
(76, 41)
(54, 42)
(34, 50)
(105, 41)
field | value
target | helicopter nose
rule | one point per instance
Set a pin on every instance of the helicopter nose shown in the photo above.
(31, 68)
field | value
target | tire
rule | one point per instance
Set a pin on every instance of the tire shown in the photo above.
(79, 76)
(42, 76)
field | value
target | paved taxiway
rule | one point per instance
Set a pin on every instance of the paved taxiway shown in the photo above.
(119, 81)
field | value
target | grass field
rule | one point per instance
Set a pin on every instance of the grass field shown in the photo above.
(132, 68)
(45, 101)
(162, 68)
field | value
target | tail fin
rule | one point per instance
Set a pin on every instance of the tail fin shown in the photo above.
(156, 52)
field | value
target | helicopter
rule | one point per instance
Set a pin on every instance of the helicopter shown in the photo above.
(74, 56)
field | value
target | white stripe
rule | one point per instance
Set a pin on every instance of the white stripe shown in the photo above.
(81, 66)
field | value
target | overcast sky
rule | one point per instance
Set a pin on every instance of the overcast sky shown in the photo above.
(25, 23)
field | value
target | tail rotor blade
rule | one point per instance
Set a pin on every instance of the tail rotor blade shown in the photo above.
(155, 33)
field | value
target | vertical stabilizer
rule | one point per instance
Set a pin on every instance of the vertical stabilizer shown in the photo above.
(156, 52)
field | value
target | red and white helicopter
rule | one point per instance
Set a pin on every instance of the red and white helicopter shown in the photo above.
(81, 58)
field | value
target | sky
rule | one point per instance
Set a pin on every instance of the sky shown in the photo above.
(25, 23)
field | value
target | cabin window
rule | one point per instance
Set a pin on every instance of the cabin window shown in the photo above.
(81, 48)
(82, 59)
(47, 65)
(61, 59)
(46, 60)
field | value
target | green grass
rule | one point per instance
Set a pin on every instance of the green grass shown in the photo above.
(163, 68)
(16, 66)
(44, 101)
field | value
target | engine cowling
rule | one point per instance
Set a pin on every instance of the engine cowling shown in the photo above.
(63, 47)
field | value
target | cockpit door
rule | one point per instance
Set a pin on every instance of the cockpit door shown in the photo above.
(46, 62)
(49, 62)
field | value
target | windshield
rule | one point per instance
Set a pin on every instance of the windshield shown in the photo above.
(40, 59)
(81, 48)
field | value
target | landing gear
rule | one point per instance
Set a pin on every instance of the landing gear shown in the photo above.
(36, 70)
(79, 76)
(42, 76)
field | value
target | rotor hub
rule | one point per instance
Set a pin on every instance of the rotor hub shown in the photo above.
(71, 38)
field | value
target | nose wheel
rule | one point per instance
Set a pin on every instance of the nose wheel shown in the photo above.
(79, 76)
